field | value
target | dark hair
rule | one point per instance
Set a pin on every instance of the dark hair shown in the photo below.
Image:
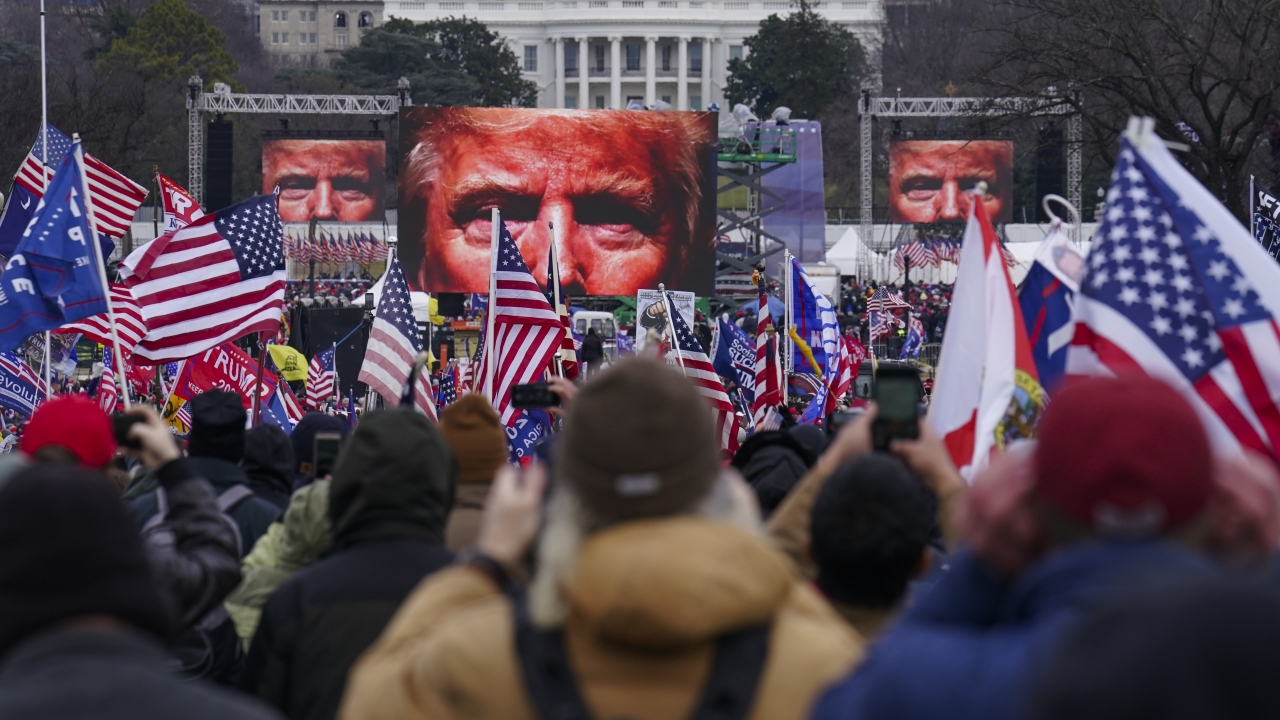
(869, 528)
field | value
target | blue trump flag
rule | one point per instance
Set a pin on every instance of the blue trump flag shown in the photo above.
(531, 425)
(21, 390)
(734, 357)
(52, 278)
(1047, 297)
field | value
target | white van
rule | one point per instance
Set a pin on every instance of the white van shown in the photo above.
(605, 325)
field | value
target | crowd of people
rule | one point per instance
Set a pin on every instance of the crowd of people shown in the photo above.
(1116, 567)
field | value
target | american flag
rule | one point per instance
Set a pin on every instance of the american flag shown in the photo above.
(292, 407)
(115, 197)
(882, 323)
(930, 254)
(129, 323)
(108, 394)
(321, 377)
(882, 300)
(184, 414)
(846, 371)
(568, 352)
(698, 368)
(394, 343)
(215, 280)
(449, 386)
(527, 332)
(1175, 288)
(768, 392)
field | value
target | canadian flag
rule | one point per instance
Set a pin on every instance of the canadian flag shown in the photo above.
(987, 393)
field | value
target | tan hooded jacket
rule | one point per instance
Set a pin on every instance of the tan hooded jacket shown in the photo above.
(648, 601)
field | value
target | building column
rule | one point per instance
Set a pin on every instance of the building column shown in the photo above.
(650, 71)
(615, 72)
(584, 85)
(706, 72)
(682, 75)
(558, 49)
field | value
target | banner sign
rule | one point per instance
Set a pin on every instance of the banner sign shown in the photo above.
(225, 367)
(651, 314)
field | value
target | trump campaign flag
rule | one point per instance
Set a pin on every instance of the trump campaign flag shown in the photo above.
(21, 389)
(816, 323)
(987, 392)
(52, 277)
(1177, 289)
(1047, 297)
(734, 357)
(180, 209)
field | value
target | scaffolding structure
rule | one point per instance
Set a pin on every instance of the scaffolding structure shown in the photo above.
(870, 107)
(222, 101)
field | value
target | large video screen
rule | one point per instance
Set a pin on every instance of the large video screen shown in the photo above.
(334, 180)
(631, 195)
(928, 179)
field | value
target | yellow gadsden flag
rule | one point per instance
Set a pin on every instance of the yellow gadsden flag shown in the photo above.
(291, 363)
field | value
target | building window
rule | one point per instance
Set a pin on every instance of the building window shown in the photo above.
(666, 99)
(633, 57)
(339, 19)
(570, 58)
(666, 58)
(275, 38)
(695, 58)
(571, 102)
(284, 16)
(275, 16)
(531, 58)
(284, 38)
(340, 40)
(599, 102)
(600, 59)
(695, 102)
(366, 20)
(312, 16)
(313, 38)
(735, 52)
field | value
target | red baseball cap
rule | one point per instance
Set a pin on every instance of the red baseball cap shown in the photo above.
(75, 423)
(1124, 455)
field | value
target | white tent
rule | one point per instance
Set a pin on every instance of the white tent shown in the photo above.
(844, 254)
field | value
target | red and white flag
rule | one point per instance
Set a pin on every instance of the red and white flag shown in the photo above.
(108, 393)
(115, 197)
(527, 331)
(987, 392)
(215, 280)
(767, 370)
(180, 209)
(394, 344)
(129, 323)
(321, 377)
(698, 368)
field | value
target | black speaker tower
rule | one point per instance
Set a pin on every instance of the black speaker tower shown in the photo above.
(217, 165)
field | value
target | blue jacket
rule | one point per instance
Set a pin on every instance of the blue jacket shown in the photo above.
(971, 645)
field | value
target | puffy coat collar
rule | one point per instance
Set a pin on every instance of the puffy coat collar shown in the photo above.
(676, 582)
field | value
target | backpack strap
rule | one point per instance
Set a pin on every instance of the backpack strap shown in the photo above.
(728, 694)
(233, 496)
(162, 511)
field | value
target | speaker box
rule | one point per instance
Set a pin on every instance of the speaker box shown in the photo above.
(325, 326)
(1049, 169)
(450, 304)
(217, 165)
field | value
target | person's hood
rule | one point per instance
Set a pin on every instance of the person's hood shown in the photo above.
(395, 477)
(221, 474)
(268, 458)
(307, 531)
(675, 582)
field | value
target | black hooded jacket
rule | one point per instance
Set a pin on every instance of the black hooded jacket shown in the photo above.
(269, 464)
(392, 489)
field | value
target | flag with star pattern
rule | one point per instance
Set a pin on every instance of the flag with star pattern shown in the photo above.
(1176, 288)
(394, 343)
(698, 368)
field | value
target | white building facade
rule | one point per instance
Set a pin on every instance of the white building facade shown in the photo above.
(612, 53)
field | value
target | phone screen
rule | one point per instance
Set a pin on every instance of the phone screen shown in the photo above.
(326, 453)
(896, 397)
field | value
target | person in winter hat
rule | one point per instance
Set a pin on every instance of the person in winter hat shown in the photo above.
(655, 590)
(1121, 484)
(392, 487)
(82, 623)
(269, 464)
(478, 441)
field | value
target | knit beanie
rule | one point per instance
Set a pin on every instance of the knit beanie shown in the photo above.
(75, 423)
(217, 426)
(476, 436)
(69, 549)
(639, 442)
(395, 477)
(1124, 455)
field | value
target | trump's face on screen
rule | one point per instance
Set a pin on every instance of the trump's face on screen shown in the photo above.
(928, 179)
(336, 180)
(623, 190)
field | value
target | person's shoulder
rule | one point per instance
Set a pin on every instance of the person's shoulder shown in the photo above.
(217, 703)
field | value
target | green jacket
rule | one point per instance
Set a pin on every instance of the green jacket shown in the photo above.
(287, 547)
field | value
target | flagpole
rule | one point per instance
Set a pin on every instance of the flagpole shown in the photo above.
(102, 275)
(44, 160)
(337, 388)
(553, 262)
(1253, 226)
(782, 334)
(671, 323)
(489, 360)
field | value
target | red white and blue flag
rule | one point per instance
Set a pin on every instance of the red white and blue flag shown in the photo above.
(768, 385)
(698, 368)
(321, 378)
(1177, 289)
(394, 344)
(108, 393)
(129, 323)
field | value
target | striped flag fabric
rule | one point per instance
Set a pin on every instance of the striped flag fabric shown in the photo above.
(130, 325)
(768, 385)
(527, 331)
(568, 352)
(393, 345)
(882, 300)
(108, 393)
(220, 278)
(115, 197)
(448, 393)
(321, 378)
(1177, 289)
(21, 388)
(697, 367)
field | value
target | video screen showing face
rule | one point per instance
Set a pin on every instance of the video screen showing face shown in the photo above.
(928, 179)
(335, 180)
(631, 195)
